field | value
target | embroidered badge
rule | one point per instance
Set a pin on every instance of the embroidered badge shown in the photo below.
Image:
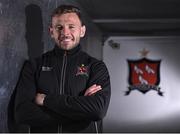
(45, 68)
(82, 70)
(144, 74)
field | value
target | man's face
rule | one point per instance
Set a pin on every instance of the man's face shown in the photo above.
(67, 30)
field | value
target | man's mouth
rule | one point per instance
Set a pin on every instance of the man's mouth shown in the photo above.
(65, 39)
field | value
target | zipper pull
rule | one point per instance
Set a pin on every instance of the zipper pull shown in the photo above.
(65, 53)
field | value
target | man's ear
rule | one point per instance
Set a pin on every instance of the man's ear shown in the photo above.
(83, 31)
(51, 31)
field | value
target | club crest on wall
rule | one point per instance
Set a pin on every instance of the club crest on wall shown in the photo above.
(144, 74)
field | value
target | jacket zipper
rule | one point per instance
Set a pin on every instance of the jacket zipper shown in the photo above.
(62, 81)
(63, 72)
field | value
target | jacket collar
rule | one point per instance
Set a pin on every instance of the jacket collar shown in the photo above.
(60, 52)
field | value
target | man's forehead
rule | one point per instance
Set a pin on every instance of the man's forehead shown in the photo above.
(67, 17)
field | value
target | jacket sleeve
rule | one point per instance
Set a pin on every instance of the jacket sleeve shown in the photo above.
(84, 107)
(26, 111)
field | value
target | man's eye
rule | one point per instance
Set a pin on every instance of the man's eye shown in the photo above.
(71, 27)
(58, 28)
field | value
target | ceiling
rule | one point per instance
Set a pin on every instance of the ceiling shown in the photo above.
(134, 17)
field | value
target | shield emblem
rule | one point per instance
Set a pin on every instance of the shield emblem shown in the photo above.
(144, 75)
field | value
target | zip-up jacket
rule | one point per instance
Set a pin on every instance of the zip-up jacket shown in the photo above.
(64, 77)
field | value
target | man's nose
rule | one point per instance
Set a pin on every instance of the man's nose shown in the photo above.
(65, 31)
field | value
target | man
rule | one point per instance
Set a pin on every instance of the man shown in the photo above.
(64, 90)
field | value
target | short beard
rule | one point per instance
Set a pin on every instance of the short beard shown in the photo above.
(64, 48)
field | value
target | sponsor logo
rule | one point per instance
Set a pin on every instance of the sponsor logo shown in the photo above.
(45, 68)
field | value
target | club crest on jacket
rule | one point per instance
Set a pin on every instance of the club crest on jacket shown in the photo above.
(82, 70)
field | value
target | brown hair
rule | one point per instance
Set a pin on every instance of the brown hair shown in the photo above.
(62, 9)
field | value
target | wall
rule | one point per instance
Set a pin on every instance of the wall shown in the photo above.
(24, 34)
(138, 112)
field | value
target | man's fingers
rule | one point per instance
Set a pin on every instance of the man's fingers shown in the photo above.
(93, 89)
(89, 89)
(39, 98)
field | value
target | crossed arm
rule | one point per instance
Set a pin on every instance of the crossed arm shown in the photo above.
(94, 102)
(39, 98)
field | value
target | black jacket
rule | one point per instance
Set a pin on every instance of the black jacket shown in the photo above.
(63, 76)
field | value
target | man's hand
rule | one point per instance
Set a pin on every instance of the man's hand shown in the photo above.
(39, 99)
(92, 90)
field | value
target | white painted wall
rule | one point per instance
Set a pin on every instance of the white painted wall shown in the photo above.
(139, 112)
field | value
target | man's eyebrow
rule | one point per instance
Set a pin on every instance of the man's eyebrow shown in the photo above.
(57, 25)
(72, 24)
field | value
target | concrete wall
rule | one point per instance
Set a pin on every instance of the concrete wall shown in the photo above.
(138, 112)
(24, 34)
